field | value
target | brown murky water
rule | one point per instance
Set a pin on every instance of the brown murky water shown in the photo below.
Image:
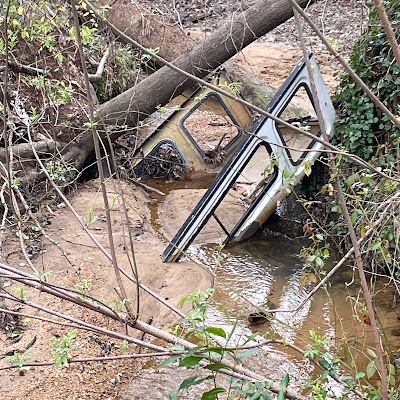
(266, 271)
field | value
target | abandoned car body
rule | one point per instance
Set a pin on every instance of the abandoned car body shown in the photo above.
(179, 140)
(269, 161)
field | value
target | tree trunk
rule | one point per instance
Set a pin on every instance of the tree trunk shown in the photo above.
(140, 101)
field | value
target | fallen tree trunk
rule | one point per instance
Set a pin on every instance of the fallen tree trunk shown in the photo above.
(140, 101)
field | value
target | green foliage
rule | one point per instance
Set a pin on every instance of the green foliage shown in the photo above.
(84, 285)
(124, 347)
(61, 347)
(61, 92)
(58, 170)
(43, 275)
(233, 87)
(19, 292)
(19, 359)
(125, 71)
(14, 179)
(209, 357)
(317, 252)
(252, 390)
(89, 35)
(90, 218)
(361, 125)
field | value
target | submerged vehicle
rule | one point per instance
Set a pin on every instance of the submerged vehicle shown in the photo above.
(269, 161)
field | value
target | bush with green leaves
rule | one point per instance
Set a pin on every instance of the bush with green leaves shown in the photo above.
(361, 126)
(61, 347)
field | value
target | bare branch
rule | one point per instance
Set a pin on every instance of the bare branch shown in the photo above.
(100, 69)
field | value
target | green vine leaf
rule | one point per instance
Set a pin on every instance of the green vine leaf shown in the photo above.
(212, 394)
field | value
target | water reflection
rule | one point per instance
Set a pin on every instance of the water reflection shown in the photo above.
(267, 272)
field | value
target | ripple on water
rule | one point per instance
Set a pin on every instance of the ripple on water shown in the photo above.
(267, 272)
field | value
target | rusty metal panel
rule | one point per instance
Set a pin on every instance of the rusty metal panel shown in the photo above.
(203, 131)
(290, 153)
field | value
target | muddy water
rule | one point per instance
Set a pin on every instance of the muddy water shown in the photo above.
(266, 272)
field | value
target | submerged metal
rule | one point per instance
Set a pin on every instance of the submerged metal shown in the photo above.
(227, 121)
(265, 167)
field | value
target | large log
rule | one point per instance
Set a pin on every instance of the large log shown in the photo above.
(141, 100)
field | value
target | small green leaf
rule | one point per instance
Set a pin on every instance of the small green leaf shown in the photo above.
(319, 261)
(216, 331)
(172, 396)
(324, 375)
(192, 381)
(247, 353)
(190, 362)
(169, 360)
(371, 369)
(265, 396)
(216, 366)
(286, 174)
(196, 349)
(354, 216)
(281, 395)
(352, 179)
(375, 246)
(259, 385)
(324, 364)
(212, 394)
(285, 380)
(256, 396)
(359, 375)
(177, 347)
(371, 353)
(251, 337)
(391, 369)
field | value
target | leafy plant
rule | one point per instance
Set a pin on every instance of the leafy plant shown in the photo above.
(20, 292)
(209, 356)
(84, 285)
(233, 87)
(61, 347)
(19, 359)
(361, 125)
(90, 218)
(15, 179)
(43, 275)
(57, 170)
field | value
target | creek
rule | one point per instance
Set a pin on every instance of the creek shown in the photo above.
(265, 271)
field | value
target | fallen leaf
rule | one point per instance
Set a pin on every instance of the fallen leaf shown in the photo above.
(24, 320)
(307, 229)
(312, 277)
(367, 320)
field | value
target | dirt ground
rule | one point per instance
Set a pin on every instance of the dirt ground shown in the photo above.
(271, 58)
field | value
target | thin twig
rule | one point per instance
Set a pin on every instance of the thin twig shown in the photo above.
(98, 158)
(91, 359)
